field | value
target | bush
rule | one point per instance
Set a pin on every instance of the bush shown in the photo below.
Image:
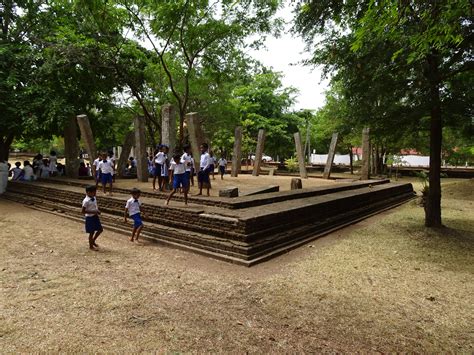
(292, 164)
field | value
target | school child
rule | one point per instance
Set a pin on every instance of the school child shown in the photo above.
(159, 160)
(45, 172)
(222, 165)
(151, 166)
(203, 174)
(52, 163)
(17, 172)
(188, 160)
(96, 171)
(37, 162)
(28, 174)
(132, 208)
(212, 165)
(91, 211)
(180, 178)
(165, 170)
(111, 159)
(106, 170)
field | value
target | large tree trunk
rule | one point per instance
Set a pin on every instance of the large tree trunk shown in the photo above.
(5, 143)
(433, 205)
(126, 148)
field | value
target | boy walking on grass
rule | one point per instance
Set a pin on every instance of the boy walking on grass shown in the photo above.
(91, 212)
(132, 208)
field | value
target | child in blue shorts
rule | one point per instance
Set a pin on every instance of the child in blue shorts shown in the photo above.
(91, 212)
(132, 208)
(179, 178)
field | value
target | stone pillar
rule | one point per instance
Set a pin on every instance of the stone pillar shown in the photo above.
(259, 152)
(196, 136)
(332, 152)
(140, 149)
(87, 136)
(296, 184)
(300, 153)
(237, 156)
(168, 127)
(71, 148)
(125, 152)
(365, 171)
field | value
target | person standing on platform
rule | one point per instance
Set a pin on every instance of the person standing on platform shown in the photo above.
(203, 174)
(222, 165)
(106, 170)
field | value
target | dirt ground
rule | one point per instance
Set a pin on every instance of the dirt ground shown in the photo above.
(385, 284)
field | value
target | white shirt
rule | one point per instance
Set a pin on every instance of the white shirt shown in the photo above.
(133, 206)
(178, 169)
(111, 160)
(106, 167)
(16, 173)
(96, 164)
(28, 173)
(205, 160)
(160, 158)
(222, 162)
(90, 205)
(188, 161)
(52, 163)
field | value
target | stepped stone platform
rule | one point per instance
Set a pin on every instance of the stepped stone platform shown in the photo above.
(244, 230)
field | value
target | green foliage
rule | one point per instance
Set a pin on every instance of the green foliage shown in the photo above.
(292, 164)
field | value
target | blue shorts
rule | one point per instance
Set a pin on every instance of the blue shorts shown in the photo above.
(106, 178)
(137, 220)
(93, 224)
(222, 169)
(180, 180)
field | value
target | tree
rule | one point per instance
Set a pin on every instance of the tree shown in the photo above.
(433, 39)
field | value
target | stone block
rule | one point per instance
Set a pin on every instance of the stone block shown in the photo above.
(296, 184)
(229, 192)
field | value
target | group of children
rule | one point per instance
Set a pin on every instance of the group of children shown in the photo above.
(41, 168)
(103, 171)
(179, 170)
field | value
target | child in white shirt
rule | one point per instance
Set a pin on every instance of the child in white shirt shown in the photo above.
(52, 163)
(189, 163)
(222, 165)
(91, 211)
(96, 171)
(28, 174)
(106, 170)
(180, 178)
(132, 208)
(16, 172)
(203, 174)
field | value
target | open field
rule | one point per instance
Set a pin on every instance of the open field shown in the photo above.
(384, 284)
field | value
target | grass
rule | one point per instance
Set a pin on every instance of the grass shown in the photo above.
(386, 284)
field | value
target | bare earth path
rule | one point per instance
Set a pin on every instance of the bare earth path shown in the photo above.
(385, 284)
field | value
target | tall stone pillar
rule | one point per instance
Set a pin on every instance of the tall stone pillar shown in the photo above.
(237, 156)
(87, 136)
(125, 152)
(332, 152)
(259, 152)
(168, 127)
(300, 153)
(140, 149)
(365, 171)
(196, 136)
(71, 148)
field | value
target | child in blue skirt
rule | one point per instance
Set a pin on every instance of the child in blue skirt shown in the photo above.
(91, 212)
(132, 208)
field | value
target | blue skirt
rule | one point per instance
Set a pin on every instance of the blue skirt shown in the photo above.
(137, 220)
(93, 224)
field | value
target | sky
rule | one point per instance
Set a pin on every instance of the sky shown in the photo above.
(283, 55)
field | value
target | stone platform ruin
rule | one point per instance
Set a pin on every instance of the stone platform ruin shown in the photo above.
(245, 230)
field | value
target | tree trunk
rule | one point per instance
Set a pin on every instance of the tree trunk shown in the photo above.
(433, 205)
(5, 143)
(126, 148)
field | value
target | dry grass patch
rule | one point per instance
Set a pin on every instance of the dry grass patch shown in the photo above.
(385, 284)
